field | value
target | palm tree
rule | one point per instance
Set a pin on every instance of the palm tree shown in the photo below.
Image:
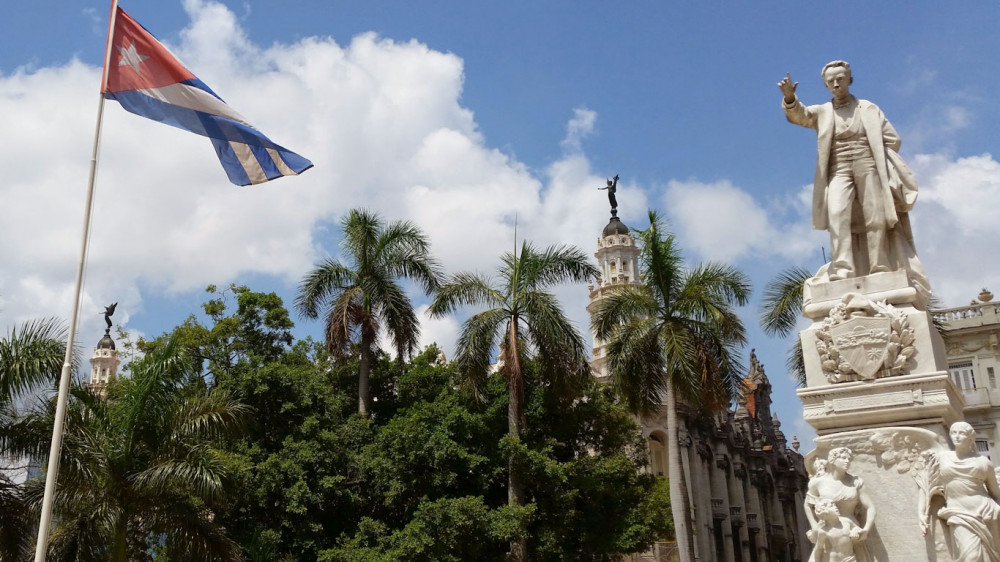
(522, 318)
(31, 358)
(781, 310)
(142, 469)
(674, 336)
(364, 295)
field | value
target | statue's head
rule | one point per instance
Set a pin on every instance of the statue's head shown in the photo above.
(962, 434)
(840, 457)
(825, 509)
(837, 78)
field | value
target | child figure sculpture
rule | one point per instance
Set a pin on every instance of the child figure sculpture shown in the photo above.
(835, 535)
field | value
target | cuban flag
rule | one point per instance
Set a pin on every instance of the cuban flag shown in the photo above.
(149, 81)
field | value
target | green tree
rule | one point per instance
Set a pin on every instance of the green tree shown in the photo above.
(435, 478)
(781, 310)
(676, 333)
(142, 468)
(522, 317)
(425, 478)
(363, 295)
(31, 357)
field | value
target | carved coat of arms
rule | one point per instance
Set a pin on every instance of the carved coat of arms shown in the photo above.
(864, 340)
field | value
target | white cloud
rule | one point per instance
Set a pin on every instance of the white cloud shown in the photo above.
(578, 128)
(954, 224)
(380, 119)
(723, 222)
(442, 331)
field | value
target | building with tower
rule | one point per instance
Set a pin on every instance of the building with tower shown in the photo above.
(103, 365)
(746, 485)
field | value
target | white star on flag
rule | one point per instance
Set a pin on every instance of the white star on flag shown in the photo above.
(130, 57)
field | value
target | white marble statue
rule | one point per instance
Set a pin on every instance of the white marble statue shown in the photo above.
(862, 186)
(969, 486)
(836, 535)
(834, 484)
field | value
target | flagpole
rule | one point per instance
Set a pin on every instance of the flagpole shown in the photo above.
(52, 469)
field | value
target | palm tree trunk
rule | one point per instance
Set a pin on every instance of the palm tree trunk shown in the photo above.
(119, 550)
(679, 506)
(364, 390)
(515, 421)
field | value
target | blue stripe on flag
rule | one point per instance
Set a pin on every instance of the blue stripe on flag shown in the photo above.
(230, 163)
(220, 129)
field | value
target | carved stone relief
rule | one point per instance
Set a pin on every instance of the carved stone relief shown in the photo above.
(864, 340)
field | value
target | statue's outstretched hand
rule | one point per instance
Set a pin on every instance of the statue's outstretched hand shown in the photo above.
(787, 88)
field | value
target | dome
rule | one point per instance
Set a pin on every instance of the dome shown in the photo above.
(615, 226)
(106, 342)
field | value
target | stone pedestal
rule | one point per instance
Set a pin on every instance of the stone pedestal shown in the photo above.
(873, 357)
(922, 400)
(878, 384)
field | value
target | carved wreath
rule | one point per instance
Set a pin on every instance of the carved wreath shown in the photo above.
(864, 340)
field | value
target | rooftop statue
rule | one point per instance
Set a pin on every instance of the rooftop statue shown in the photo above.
(612, 187)
(109, 311)
(862, 186)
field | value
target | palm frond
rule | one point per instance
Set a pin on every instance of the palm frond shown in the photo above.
(781, 306)
(477, 345)
(14, 527)
(343, 321)
(465, 289)
(636, 365)
(31, 356)
(320, 285)
(555, 265)
(795, 362)
(621, 305)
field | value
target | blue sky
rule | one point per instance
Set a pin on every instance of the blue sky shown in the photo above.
(459, 115)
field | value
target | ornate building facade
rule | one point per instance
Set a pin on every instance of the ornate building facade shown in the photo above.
(972, 339)
(746, 485)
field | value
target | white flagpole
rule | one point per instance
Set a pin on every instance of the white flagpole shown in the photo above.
(52, 470)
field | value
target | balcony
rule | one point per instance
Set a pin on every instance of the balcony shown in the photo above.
(969, 316)
(976, 398)
(736, 516)
(719, 511)
(753, 522)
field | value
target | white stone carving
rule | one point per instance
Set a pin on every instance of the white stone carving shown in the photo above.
(968, 484)
(864, 340)
(832, 484)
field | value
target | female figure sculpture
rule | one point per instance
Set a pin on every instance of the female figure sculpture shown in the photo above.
(833, 483)
(968, 484)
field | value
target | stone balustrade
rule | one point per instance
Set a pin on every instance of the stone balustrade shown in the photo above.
(978, 310)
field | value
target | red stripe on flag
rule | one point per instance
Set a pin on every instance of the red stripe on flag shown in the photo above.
(139, 61)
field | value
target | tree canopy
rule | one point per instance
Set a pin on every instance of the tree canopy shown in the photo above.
(278, 465)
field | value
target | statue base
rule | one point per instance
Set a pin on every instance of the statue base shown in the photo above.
(927, 400)
(820, 295)
(873, 358)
